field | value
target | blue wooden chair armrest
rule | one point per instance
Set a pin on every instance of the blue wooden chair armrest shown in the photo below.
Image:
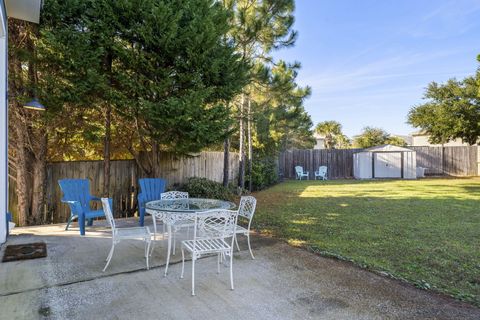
(75, 207)
(95, 198)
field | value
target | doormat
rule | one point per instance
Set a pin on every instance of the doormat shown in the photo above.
(25, 251)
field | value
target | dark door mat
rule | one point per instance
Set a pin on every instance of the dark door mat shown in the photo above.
(25, 251)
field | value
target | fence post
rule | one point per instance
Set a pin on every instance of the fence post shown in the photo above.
(478, 160)
(443, 159)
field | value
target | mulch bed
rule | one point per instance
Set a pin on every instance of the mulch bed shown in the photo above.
(25, 251)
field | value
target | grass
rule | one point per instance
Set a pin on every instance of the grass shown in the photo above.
(426, 232)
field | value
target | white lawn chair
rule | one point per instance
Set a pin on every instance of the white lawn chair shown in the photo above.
(175, 195)
(206, 239)
(322, 173)
(300, 173)
(246, 210)
(118, 234)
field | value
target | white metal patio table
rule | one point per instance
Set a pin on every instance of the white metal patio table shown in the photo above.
(174, 210)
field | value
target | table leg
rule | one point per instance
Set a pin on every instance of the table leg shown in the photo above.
(169, 231)
(154, 233)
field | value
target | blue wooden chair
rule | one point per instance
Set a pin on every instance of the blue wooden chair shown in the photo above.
(150, 190)
(76, 193)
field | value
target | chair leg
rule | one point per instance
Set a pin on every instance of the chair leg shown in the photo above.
(224, 259)
(183, 263)
(231, 269)
(147, 251)
(174, 241)
(249, 246)
(110, 253)
(90, 222)
(81, 223)
(193, 275)
(68, 223)
(218, 262)
(141, 220)
(236, 242)
(109, 258)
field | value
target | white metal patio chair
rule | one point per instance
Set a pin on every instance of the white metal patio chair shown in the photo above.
(322, 173)
(206, 239)
(300, 173)
(246, 210)
(175, 195)
(118, 234)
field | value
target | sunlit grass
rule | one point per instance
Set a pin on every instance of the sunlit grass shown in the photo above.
(425, 231)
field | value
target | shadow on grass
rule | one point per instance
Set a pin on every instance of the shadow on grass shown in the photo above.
(426, 234)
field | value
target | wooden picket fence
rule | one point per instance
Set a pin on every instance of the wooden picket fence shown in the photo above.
(124, 175)
(454, 161)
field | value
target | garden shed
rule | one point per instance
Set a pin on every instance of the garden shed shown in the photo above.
(385, 161)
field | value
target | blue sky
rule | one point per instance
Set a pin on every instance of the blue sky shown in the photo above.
(368, 62)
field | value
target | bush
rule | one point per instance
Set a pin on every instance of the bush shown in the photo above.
(204, 188)
(264, 173)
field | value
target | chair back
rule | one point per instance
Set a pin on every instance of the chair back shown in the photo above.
(76, 190)
(247, 206)
(152, 188)
(322, 171)
(299, 170)
(107, 208)
(172, 195)
(219, 223)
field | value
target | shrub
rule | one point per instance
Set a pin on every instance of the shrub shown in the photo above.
(204, 188)
(264, 173)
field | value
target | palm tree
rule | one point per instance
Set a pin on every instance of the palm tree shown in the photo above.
(331, 130)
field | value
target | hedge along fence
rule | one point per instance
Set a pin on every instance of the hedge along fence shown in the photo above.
(454, 161)
(124, 175)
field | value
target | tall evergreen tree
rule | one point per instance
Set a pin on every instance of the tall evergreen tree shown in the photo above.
(257, 28)
(159, 71)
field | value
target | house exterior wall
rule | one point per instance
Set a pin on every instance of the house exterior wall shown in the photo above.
(422, 141)
(3, 125)
(320, 143)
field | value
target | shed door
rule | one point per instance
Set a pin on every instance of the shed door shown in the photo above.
(388, 165)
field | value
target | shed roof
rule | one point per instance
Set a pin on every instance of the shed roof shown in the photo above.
(388, 148)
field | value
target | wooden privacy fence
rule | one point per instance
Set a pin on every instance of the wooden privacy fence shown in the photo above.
(338, 161)
(124, 175)
(454, 161)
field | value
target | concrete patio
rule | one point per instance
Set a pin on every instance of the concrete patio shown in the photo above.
(282, 283)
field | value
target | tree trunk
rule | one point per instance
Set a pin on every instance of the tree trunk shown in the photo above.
(226, 161)
(39, 181)
(22, 174)
(106, 150)
(241, 162)
(250, 147)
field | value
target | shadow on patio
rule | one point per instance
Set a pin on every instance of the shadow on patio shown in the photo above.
(282, 283)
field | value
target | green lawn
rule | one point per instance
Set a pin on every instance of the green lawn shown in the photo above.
(424, 231)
